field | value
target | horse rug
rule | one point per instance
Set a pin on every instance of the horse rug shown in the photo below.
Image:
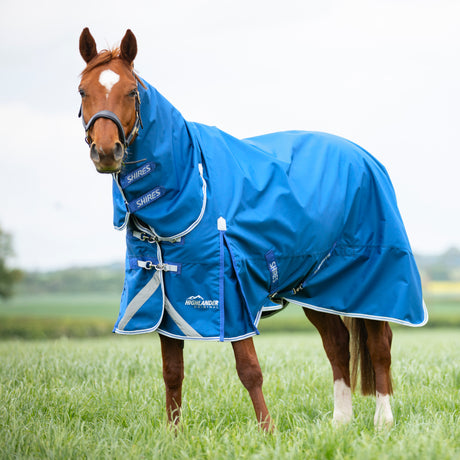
(220, 230)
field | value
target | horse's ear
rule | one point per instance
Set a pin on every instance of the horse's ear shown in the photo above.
(128, 47)
(88, 48)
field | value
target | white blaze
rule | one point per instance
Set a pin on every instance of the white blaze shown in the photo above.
(342, 402)
(108, 78)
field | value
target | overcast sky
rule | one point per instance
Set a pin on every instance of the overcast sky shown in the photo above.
(384, 74)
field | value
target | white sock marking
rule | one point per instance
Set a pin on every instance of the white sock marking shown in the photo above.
(108, 78)
(343, 410)
(383, 415)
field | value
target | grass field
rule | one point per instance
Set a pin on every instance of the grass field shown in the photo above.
(104, 398)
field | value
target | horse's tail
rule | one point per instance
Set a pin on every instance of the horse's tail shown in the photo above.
(360, 357)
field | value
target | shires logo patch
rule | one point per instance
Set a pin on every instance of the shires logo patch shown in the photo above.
(146, 199)
(198, 302)
(273, 269)
(137, 174)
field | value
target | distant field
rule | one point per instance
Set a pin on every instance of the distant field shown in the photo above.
(104, 398)
(92, 305)
(442, 288)
(80, 315)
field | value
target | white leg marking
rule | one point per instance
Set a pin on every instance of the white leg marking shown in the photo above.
(383, 416)
(342, 403)
(108, 78)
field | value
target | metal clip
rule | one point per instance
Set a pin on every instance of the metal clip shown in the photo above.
(148, 238)
(297, 289)
(148, 265)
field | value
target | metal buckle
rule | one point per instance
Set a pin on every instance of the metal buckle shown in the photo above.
(148, 265)
(149, 238)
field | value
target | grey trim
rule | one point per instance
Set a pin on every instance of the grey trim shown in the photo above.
(206, 339)
(359, 315)
(139, 300)
(125, 223)
(151, 231)
(180, 322)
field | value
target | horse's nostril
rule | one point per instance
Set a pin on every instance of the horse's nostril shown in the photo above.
(118, 151)
(94, 153)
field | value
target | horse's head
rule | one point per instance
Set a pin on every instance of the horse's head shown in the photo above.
(110, 100)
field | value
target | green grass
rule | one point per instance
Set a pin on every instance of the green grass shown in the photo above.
(104, 398)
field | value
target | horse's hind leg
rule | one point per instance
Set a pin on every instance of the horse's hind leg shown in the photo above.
(172, 351)
(250, 374)
(379, 337)
(335, 339)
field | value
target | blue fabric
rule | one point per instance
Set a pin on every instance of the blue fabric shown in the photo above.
(303, 216)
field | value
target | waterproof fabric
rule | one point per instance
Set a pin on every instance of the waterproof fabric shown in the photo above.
(220, 229)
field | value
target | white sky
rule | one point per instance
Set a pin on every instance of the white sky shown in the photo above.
(384, 74)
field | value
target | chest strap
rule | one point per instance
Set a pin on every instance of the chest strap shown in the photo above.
(149, 265)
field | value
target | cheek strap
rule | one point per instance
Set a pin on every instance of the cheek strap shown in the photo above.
(126, 141)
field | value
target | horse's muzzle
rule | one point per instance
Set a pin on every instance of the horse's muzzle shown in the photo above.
(107, 162)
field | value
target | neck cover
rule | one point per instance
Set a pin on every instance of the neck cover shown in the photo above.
(220, 230)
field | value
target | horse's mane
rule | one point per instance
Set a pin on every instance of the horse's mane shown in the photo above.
(104, 57)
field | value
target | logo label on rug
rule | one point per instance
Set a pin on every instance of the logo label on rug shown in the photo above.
(146, 199)
(196, 301)
(137, 174)
(273, 269)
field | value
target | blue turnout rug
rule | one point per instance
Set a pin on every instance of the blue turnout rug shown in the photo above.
(221, 229)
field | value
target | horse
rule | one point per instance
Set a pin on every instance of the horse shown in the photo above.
(113, 97)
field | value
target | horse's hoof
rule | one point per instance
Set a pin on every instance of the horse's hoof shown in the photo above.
(267, 426)
(383, 418)
(341, 419)
(383, 424)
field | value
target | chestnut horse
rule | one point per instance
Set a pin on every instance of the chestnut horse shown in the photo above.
(110, 112)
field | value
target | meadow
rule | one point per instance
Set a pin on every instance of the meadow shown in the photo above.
(104, 398)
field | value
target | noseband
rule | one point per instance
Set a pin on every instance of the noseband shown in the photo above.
(126, 141)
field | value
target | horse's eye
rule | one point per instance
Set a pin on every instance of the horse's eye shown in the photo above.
(133, 93)
(82, 92)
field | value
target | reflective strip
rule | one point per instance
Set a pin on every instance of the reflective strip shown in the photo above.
(139, 300)
(180, 322)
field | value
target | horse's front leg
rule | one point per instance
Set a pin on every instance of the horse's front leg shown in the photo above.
(172, 352)
(250, 374)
